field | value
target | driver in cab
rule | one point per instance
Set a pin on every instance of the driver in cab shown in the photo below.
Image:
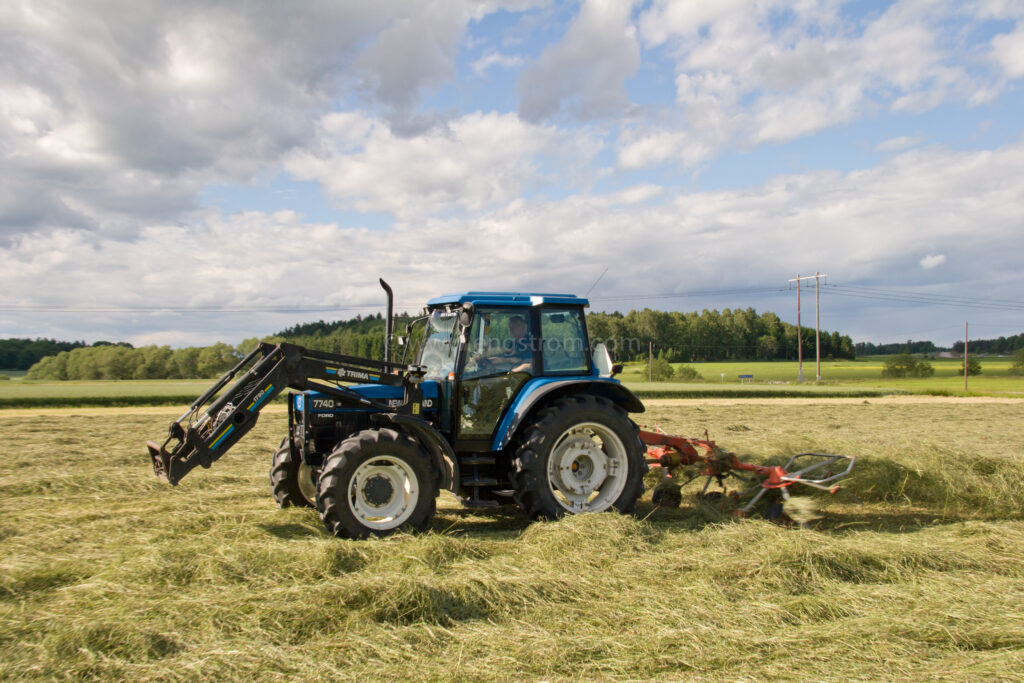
(514, 355)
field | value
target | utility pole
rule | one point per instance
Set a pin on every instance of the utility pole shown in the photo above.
(650, 361)
(817, 325)
(965, 356)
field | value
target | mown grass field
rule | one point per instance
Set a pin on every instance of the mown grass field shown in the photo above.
(107, 573)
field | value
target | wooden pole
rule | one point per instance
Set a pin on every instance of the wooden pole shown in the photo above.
(817, 326)
(799, 336)
(965, 357)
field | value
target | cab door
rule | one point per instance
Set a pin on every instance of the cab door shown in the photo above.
(500, 356)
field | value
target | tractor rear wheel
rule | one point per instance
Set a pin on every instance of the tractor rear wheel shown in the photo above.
(580, 454)
(291, 483)
(376, 482)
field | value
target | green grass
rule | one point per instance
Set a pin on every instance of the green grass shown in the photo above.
(857, 378)
(107, 573)
(39, 393)
(771, 379)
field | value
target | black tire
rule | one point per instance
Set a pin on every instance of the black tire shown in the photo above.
(545, 489)
(284, 479)
(383, 461)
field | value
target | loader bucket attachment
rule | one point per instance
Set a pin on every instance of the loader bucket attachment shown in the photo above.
(161, 459)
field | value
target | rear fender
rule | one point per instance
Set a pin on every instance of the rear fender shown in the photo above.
(537, 390)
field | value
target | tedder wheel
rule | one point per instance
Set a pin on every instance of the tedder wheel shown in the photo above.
(291, 483)
(580, 454)
(376, 482)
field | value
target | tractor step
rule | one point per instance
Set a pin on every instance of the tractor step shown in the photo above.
(470, 460)
(479, 481)
(479, 503)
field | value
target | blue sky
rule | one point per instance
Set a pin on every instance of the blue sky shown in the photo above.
(180, 174)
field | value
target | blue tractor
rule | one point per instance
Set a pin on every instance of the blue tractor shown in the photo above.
(506, 401)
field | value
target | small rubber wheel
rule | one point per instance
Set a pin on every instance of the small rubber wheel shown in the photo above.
(291, 483)
(580, 454)
(376, 482)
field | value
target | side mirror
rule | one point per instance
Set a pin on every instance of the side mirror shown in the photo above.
(616, 369)
(466, 315)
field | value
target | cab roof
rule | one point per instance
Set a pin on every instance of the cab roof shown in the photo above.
(508, 299)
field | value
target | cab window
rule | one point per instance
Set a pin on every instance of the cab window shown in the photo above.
(564, 343)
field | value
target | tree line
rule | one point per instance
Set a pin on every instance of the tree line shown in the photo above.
(676, 337)
(363, 337)
(21, 354)
(740, 334)
(117, 361)
(909, 346)
(1000, 345)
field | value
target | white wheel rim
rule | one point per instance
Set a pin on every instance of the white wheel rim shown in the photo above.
(587, 469)
(383, 492)
(307, 483)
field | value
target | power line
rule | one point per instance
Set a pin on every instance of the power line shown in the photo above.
(691, 294)
(926, 299)
(923, 294)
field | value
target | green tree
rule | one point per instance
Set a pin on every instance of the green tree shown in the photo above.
(661, 370)
(973, 366)
(185, 363)
(905, 365)
(686, 373)
(1018, 362)
(216, 360)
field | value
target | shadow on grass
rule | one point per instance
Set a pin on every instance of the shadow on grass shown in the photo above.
(293, 531)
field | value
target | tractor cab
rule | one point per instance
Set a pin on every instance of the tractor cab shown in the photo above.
(484, 348)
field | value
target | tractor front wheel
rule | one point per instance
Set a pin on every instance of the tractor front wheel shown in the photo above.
(291, 483)
(376, 482)
(580, 454)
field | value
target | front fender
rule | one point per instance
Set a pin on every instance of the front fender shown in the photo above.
(538, 388)
(441, 453)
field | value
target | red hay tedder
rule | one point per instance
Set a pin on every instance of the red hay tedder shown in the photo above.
(817, 470)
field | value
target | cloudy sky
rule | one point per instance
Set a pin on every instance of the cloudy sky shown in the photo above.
(188, 172)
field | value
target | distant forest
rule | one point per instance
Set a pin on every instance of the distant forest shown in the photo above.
(869, 349)
(21, 354)
(1004, 345)
(1001, 345)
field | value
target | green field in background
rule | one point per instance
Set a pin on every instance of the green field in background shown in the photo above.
(839, 378)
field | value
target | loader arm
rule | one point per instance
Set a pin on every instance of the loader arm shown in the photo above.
(213, 424)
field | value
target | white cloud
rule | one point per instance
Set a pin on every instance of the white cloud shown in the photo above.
(774, 71)
(474, 162)
(932, 261)
(416, 52)
(492, 59)
(584, 73)
(852, 226)
(648, 147)
(113, 115)
(1008, 51)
